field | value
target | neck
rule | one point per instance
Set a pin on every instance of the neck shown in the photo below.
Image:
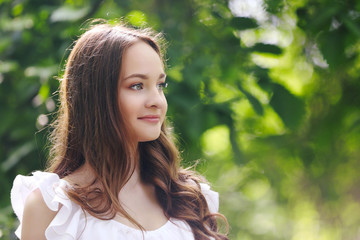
(135, 175)
(134, 179)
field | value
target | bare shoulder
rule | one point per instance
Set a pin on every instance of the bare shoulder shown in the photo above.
(36, 218)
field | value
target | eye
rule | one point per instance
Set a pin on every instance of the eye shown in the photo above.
(162, 86)
(137, 86)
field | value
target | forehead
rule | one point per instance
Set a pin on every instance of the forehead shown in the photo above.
(140, 57)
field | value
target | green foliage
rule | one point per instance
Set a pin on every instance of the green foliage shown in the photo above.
(242, 23)
(290, 108)
(266, 98)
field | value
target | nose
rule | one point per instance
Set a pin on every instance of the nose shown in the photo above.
(155, 98)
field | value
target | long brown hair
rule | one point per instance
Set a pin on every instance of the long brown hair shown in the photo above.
(90, 128)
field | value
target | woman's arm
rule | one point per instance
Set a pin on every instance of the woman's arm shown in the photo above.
(37, 217)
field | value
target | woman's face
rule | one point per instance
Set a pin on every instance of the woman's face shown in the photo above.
(141, 97)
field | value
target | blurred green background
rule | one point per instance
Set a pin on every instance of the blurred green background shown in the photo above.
(264, 94)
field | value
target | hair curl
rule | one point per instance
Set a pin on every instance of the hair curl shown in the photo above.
(90, 127)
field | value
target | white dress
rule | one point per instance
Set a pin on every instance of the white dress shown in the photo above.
(72, 223)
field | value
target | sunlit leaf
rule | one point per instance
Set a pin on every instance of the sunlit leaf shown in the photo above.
(8, 66)
(67, 13)
(17, 24)
(211, 138)
(17, 9)
(44, 92)
(255, 103)
(136, 18)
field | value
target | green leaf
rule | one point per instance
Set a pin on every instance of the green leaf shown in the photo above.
(266, 48)
(17, 155)
(323, 19)
(255, 103)
(7, 118)
(331, 45)
(274, 6)
(351, 26)
(290, 108)
(242, 23)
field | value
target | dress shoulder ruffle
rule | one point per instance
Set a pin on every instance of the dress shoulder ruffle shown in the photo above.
(212, 198)
(67, 221)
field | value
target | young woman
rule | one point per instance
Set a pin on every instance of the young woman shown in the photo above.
(114, 170)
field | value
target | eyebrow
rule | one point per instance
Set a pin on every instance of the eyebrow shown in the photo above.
(143, 76)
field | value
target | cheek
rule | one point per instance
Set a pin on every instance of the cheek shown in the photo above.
(165, 105)
(126, 104)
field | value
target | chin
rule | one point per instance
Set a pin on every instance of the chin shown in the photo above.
(149, 138)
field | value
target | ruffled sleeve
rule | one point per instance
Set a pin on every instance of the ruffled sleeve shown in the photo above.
(66, 223)
(212, 198)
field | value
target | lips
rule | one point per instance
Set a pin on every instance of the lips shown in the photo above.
(150, 118)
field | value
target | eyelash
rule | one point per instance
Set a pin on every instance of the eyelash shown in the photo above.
(139, 86)
(163, 85)
(135, 86)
